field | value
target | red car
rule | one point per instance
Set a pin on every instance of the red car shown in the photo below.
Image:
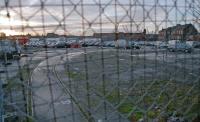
(23, 40)
(75, 45)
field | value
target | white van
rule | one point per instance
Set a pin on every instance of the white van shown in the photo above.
(121, 43)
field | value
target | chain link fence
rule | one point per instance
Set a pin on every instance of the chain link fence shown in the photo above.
(100, 60)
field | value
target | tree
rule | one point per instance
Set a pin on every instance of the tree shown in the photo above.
(2, 35)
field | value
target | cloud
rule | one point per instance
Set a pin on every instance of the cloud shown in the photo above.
(53, 15)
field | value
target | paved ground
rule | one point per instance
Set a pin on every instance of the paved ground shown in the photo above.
(71, 87)
(121, 70)
(50, 102)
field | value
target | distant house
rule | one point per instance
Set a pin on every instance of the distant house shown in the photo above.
(164, 34)
(194, 37)
(182, 32)
(151, 37)
(122, 35)
(178, 32)
(134, 36)
(52, 35)
(109, 36)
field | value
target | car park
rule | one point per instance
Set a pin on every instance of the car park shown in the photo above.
(194, 44)
(181, 46)
(121, 43)
(90, 43)
(140, 43)
(73, 43)
(28, 44)
(41, 44)
(97, 43)
(135, 46)
(111, 44)
(132, 45)
(106, 43)
(60, 44)
(53, 44)
(83, 44)
(33, 42)
(161, 45)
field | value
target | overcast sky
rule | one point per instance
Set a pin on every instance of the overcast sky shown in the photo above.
(152, 15)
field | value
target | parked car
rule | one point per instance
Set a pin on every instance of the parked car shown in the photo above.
(50, 44)
(60, 44)
(90, 43)
(151, 44)
(194, 44)
(33, 42)
(135, 46)
(73, 43)
(9, 49)
(132, 45)
(107, 43)
(161, 45)
(83, 44)
(111, 44)
(97, 43)
(41, 44)
(140, 43)
(184, 47)
(121, 43)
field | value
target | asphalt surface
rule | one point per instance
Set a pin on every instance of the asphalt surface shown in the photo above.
(50, 102)
(51, 85)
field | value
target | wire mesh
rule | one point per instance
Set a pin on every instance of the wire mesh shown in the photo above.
(100, 60)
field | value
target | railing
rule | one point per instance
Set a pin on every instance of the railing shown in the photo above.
(116, 70)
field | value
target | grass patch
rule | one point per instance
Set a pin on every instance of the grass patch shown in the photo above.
(137, 115)
(164, 97)
(125, 108)
(75, 75)
(113, 96)
(151, 114)
(13, 83)
(180, 103)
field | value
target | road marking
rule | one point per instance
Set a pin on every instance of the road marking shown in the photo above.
(99, 120)
(64, 102)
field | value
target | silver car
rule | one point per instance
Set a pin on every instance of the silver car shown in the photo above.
(180, 47)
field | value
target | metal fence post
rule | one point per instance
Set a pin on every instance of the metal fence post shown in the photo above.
(1, 101)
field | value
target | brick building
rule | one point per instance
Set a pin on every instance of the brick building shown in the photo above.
(109, 36)
(127, 36)
(178, 32)
(194, 37)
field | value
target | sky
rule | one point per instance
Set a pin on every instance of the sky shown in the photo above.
(97, 16)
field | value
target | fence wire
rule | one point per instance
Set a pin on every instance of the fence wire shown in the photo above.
(100, 61)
